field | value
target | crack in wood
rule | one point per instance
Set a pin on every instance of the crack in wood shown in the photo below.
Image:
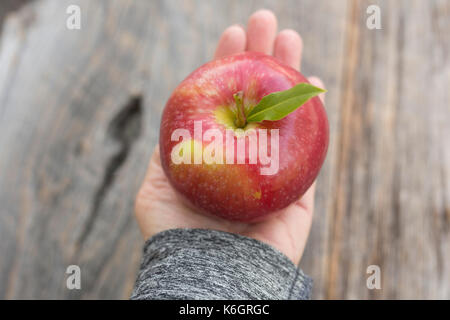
(125, 129)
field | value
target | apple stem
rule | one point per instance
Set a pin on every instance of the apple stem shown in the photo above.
(241, 121)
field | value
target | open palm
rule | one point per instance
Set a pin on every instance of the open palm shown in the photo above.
(159, 208)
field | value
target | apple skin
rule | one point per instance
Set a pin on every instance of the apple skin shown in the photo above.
(238, 191)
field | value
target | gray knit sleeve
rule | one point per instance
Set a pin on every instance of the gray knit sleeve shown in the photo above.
(208, 264)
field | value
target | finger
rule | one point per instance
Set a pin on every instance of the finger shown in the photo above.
(233, 40)
(318, 83)
(288, 48)
(261, 31)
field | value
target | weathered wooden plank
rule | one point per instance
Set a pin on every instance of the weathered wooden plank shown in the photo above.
(67, 191)
(392, 200)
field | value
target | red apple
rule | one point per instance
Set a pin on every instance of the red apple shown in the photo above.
(239, 191)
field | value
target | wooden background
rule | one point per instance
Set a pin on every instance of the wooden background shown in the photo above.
(79, 116)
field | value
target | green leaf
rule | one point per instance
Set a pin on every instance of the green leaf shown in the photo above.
(277, 105)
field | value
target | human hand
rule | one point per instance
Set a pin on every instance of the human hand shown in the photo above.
(158, 207)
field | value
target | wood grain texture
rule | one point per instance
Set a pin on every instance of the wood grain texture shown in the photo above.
(80, 111)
